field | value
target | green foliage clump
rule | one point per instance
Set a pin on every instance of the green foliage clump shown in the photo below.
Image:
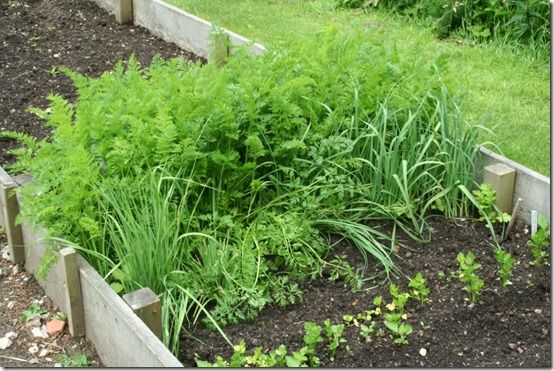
(35, 309)
(207, 183)
(77, 361)
(485, 197)
(519, 21)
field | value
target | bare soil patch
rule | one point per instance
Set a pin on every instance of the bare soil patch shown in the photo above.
(37, 36)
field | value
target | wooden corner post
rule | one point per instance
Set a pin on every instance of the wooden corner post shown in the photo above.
(124, 11)
(10, 210)
(502, 179)
(148, 307)
(73, 295)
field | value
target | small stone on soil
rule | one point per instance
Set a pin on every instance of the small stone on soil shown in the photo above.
(423, 352)
(6, 253)
(5, 343)
(33, 349)
(40, 332)
(43, 353)
(512, 346)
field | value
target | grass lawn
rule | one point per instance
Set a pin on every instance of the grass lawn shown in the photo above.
(506, 90)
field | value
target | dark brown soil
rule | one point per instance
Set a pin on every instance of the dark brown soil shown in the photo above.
(18, 290)
(38, 35)
(506, 328)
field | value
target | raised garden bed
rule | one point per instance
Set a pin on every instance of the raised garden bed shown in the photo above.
(101, 302)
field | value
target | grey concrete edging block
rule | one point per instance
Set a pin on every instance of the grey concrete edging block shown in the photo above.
(533, 188)
(186, 30)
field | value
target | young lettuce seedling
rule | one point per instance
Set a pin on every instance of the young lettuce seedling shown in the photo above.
(473, 282)
(506, 261)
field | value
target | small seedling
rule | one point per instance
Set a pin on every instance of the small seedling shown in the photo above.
(366, 315)
(398, 300)
(275, 358)
(539, 242)
(473, 282)
(419, 288)
(32, 310)
(377, 301)
(506, 261)
(312, 337)
(77, 361)
(399, 330)
(366, 331)
(424, 326)
(334, 334)
(348, 319)
(298, 359)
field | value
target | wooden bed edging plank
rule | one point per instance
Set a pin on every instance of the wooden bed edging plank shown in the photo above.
(175, 25)
(120, 337)
(533, 188)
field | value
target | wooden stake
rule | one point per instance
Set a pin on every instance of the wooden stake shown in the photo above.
(148, 307)
(73, 295)
(512, 220)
